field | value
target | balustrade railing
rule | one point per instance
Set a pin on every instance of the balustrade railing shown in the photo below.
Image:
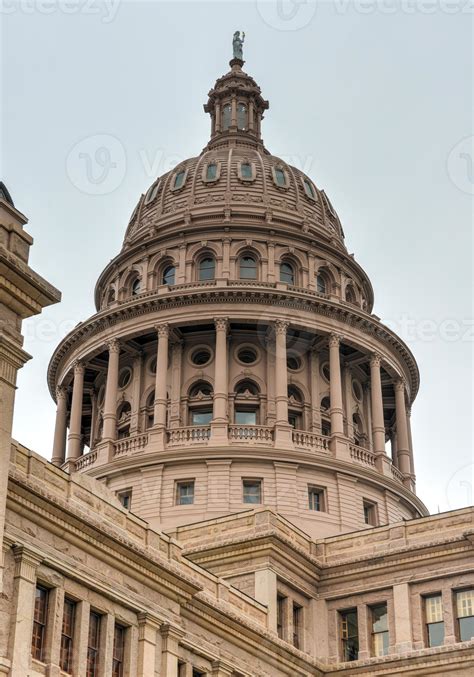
(130, 445)
(250, 433)
(312, 441)
(361, 455)
(189, 435)
(397, 475)
(86, 460)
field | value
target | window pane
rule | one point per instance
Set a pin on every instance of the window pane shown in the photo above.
(321, 284)
(435, 634)
(248, 268)
(246, 417)
(136, 284)
(39, 623)
(179, 180)
(434, 609)
(286, 273)
(185, 491)
(246, 170)
(466, 628)
(308, 188)
(280, 177)
(67, 633)
(379, 618)
(241, 116)
(119, 651)
(206, 269)
(350, 635)
(211, 172)
(465, 603)
(226, 116)
(169, 275)
(314, 496)
(380, 644)
(201, 417)
(252, 492)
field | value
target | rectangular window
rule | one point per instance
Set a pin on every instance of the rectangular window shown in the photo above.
(379, 630)
(201, 417)
(316, 498)
(280, 614)
(185, 492)
(434, 620)
(119, 651)
(349, 635)
(67, 635)
(93, 644)
(297, 615)
(326, 428)
(370, 513)
(125, 498)
(465, 614)
(39, 622)
(252, 491)
(246, 170)
(246, 417)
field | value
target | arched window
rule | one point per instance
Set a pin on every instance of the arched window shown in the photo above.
(248, 267)
(211, 171)
(246, 407)
(207, 268)
(179, 179)
(350, 294)
(308, 188)
(110, 296)
(226, 116)
(321, 285)
(241, 116)
(123, 420)
(200, 403)
(295, 408)
(136, 286)
(169, 275)
(150, 409)
(325, 416)
(287, 272)
(358, 429)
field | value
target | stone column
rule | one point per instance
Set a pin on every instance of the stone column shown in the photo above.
(59, 444)
(83, 610)
(94, 413)
(161, 375)
(403, 622)
(176, 369)
(368, 414)
(335, 387)
(226, 257)
(148, 627)
(347, 379)
(222, 669)
(270, 373)
(283, 431)
(378, 425)
(410, 440)
(181, 272)
(403, 444)
(266, 593)
(111, 390)
(314, 379)
(74, 438)
(251, 111)
(221, 387)
(26, 565)
(170, 649)
(137, 389)
(271, 262)
(233, 119)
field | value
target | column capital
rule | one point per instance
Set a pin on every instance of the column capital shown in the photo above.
(168, 631)
(163, 330)
(281, 327)
(221, 323)
(78, 368)
(26, 563)
(335, 340)
(61, 393)
(400, 384)
(375, 360)
(113, 346)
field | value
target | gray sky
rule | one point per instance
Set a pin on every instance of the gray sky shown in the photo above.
(372, 99)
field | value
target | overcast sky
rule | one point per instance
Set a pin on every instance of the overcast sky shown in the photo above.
(373, 99)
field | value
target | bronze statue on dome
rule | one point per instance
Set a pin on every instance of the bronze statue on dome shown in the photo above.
(237, 44)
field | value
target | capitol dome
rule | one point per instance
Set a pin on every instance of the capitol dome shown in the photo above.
(234, 359)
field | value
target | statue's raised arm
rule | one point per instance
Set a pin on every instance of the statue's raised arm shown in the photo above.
(237, 44)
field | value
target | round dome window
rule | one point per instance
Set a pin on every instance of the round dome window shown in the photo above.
(293, 363)
(357, 390)
(247, 355)
(125, 377)
(326, 371)
(200, 357)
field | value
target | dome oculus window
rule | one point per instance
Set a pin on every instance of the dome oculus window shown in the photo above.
(247, 267)
(152, 192)
(287, 273)
(125, 377)
(226, 116)
(179, 179)
(207, 268)
(279, 176)
(247, 355)
(246, 171)
(309, 189)
(211, 172)
(169, 275)
(201, 357)
(241, 116)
